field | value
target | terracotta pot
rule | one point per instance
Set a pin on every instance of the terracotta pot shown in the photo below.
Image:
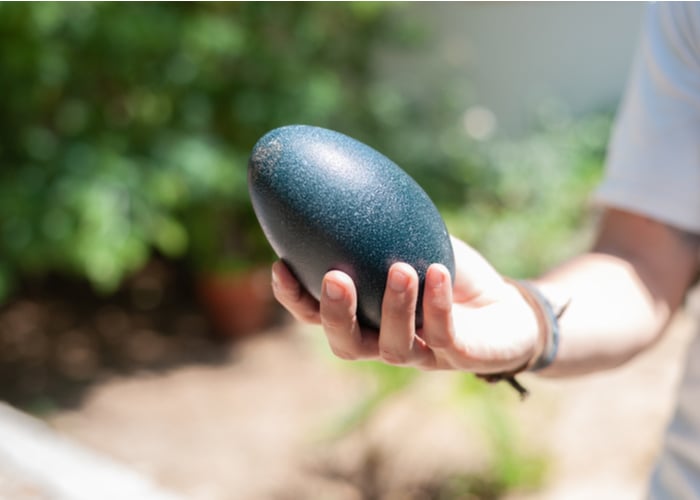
(238, 303)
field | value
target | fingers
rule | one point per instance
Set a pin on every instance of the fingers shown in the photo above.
(438, 321)
(398, 344)
(438, 327)
(398, 314)
(289, 292)
(491, 337)
(338, 306)
(395, 344)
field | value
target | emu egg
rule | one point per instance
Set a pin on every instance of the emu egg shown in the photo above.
(327, 201)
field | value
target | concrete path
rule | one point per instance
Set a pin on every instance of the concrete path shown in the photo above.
(38, 463)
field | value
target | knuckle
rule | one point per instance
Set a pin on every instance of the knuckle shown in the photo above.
(287, 296)
(392, 357)
(401, 307)
(343, 353)
(285, 288)
(334, 323)
(436, 340)
(306, 316)
(439, 306)
(278, 294)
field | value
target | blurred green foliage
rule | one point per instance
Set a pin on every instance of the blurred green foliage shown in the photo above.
(536, 208)
(126, 127)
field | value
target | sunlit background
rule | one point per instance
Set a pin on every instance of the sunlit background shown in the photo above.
(137, 323)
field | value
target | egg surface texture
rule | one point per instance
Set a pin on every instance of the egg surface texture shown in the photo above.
(326, 201)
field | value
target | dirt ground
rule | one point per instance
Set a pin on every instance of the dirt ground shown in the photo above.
(253, 419)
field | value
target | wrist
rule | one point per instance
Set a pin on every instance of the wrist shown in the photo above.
(546, 343)
(548, 313)
(527, 324)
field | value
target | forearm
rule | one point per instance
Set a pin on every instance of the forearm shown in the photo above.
(622, 294)
(611, 314)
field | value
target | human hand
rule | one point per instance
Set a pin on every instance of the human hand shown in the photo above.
(481, 324)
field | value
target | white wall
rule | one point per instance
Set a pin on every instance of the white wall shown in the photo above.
(516, 58)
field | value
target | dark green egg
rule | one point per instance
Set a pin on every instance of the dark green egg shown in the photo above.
(327, 201)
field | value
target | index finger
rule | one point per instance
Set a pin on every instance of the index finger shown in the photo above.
(289, 292)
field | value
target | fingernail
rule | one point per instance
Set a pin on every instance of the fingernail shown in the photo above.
(334, 291)
(275, 280)
(398, 281)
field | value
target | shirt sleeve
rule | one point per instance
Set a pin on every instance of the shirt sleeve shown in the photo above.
(653, 163)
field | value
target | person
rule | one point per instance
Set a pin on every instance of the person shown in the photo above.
(593, 312)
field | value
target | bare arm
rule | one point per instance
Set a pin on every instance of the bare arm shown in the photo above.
(623, 293)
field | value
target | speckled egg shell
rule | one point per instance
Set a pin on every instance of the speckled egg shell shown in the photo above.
(326, 201)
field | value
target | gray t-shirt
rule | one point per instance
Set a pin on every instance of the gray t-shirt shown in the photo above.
(653, 168)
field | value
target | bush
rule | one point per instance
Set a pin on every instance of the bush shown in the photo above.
(126, 127)
(535, 210)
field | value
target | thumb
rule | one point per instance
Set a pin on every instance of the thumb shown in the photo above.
(476, 282)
